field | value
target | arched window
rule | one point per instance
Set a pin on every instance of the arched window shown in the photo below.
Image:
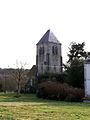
(54, 50)
(41, 50)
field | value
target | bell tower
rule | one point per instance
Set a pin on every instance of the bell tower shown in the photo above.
(49, 56)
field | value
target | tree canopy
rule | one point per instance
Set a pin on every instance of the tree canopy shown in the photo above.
(76, 50)
(75, 68)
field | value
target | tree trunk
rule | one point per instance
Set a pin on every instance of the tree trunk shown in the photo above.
(18, 89)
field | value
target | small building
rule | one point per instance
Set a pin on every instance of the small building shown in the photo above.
(87, 77)
(49, 55)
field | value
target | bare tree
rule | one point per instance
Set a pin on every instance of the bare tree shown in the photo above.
(19, 75)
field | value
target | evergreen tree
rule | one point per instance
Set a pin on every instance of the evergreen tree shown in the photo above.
(75, 73)
(76, 50)
(75, 68)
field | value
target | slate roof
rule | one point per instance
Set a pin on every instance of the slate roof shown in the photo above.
(48, 37)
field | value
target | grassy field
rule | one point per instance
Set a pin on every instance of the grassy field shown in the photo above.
(29, 107)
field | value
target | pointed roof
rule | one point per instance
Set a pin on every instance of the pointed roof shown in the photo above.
(48, 37)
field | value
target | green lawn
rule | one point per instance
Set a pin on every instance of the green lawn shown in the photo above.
(29, 107)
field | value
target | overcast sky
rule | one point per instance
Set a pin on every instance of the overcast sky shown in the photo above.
(23, 23)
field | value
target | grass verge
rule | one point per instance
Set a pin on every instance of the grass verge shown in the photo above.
(29, 107)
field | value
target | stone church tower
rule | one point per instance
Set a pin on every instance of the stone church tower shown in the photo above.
(49, 57)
